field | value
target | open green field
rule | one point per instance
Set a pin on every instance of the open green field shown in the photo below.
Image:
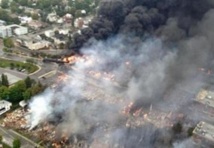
(16, 65)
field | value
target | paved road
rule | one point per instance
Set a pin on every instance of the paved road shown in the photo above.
(13, 72)
(9, 135)
(45, 68)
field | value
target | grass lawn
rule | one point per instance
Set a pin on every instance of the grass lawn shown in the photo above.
(29, 67)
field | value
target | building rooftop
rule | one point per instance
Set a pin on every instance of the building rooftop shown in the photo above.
(205, 97)
(4, 102)
(205, 131)
(23, 103)
(12, 78)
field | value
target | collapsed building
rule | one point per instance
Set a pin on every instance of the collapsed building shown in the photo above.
(203, 134)
(153, 50)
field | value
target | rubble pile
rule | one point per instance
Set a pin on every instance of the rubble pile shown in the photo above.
(16, 119)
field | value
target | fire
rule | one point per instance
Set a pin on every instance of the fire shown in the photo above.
(71, 59)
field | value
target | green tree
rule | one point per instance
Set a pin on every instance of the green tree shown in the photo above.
(36, 89)
(12, 65)
(78, 13)
(28, 82)
(5, 4)
(23, 2)
(4, 92)
(8, 42)
(17, 66)
(16, 143)
(5, 49)
(16, 91)
(4, 80)
(14, 7)
(4, 15)
(35, 16)
(27, 94)
(61, 46)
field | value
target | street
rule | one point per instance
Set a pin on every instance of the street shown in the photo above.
(44, 68)
(9, 135)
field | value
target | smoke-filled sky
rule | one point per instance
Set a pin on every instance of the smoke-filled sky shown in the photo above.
(153, 49)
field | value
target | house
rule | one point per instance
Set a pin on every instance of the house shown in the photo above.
(64, 31)
(203, 134)
(206, 98)
(60, 21)
(26, 40)
(52, 17)
(82, 22)
(23, 103)
(4, 106)
(25, 19)
(35, 24)
(33, 43)
(83, 12)
(78, 23)
(38, 45)
(21, 31)
(67, 18)
(49, 33)
(31, 10)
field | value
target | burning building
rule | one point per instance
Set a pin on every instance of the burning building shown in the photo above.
(138, 61)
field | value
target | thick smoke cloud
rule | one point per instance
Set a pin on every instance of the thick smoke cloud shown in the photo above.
(154, 50)
(142, 17)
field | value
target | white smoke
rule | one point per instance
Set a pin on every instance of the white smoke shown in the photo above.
(40, 108)
(146, 71)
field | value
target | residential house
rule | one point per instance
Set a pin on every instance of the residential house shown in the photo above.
(52, 17)
(4, 106)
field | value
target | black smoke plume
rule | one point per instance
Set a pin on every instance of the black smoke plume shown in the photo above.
(154, 49)
(142, 17)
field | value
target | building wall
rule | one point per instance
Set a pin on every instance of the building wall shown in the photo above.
(5, 32)
(21, 31)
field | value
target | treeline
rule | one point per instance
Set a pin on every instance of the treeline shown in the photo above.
(4, 15)
(23, 89)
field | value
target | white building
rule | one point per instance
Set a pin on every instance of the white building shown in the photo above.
(5, 31)
(38, 45)
(25, 19)
(52, 17)
(49, 33)
(21, 30)
(4, 106)
(23, 103)
(18, 30)
(64, 31)
(83, 11)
